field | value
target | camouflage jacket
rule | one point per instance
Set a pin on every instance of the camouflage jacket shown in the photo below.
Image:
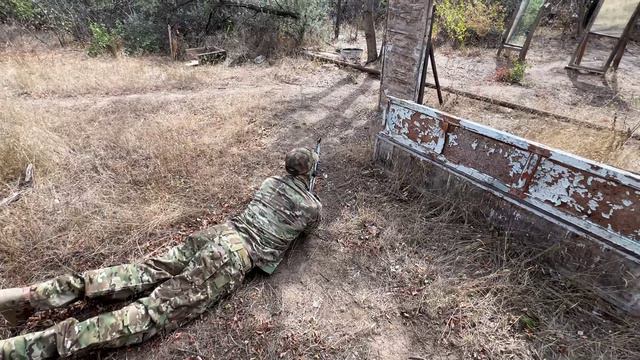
(280, 212)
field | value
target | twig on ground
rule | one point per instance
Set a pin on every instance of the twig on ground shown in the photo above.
(24, 184)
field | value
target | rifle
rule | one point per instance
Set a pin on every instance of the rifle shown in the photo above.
(314, 172)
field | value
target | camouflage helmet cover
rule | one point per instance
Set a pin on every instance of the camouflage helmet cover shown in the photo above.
(300, 161)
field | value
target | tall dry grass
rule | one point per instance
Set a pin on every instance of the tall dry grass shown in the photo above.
(113, 172)
(465, 290)
(72, 73)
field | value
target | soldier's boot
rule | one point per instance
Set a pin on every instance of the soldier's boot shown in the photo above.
(14, 305)
(33, 346)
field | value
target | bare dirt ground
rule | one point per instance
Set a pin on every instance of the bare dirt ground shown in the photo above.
(604, 112)
(548, 85)
(133, 154)
(610, 103)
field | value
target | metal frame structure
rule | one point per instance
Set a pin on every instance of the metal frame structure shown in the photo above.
(617, 52)
(513, 23)
(430, 58)
(587, 198)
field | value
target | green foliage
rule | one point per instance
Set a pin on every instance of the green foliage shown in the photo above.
(513, 74)
(313, 21)
(461, 20)
(140, 26)
(528, 323)
(140, 35)
(102, 40)
(517, 71)
(451, 16)
(22, 11)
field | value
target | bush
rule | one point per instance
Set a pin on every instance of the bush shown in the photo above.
(451, 20)
(513, 74)
(103, 40)
(140, 26)
(20, 10)
(462, 21)
(141, 35)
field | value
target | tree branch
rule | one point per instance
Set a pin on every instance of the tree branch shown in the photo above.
(263, 9)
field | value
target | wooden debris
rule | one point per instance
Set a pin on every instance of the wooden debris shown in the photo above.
(205, 56)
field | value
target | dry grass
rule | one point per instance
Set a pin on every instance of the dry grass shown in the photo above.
(465, 291)
(61, 74)
(111, 172)
(129, 165)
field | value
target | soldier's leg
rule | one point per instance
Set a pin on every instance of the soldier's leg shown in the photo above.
(38, 345)
(116, 282)
(215, 271)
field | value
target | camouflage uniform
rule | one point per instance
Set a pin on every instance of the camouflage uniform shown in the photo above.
(186, 281)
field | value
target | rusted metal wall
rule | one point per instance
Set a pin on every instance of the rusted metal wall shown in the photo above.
(407, 25)
(596, 205)
(592, 198)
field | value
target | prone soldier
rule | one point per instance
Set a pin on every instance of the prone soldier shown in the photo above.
(185, 281)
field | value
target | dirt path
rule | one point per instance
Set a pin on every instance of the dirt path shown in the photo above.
(548, 85)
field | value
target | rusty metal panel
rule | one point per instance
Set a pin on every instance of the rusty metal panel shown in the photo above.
(489, 156)
(407, 24)
(581, 195)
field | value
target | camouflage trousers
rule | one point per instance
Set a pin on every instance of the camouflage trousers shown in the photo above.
(185, 282)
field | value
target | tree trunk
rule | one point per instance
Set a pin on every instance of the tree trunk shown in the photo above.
(370, 31)
(336, 29)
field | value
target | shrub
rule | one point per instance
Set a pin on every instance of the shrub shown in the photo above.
(141, 35)
(451, 20)
(21, 10)
(513, 74)
(103, 40)
(140, 26)
(462, 21)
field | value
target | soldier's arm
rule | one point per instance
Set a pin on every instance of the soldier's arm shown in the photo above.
(314, 217)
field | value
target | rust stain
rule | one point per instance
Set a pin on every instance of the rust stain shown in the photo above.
(528, 174)
(538, 150)
(518, 193)
(499, 160)
(449, 119)
(417, 129)
(613, 206)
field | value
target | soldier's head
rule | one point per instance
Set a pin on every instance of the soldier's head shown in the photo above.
(300, 161)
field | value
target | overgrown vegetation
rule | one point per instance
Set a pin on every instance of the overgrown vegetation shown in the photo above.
(512, 73)
(140, 26)
(469, 22)
(103, 40)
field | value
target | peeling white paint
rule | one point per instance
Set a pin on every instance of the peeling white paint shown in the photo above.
(558, 185)
(453, 140)
(517, 162)
(567, 188)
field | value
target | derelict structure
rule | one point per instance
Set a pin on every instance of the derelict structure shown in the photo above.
(585, 213)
